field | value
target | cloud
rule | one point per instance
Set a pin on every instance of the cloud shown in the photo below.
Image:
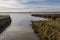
(45, 9)
(10, 4)
(17, 5)
(29, 0)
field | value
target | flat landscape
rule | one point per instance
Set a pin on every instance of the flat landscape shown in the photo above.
(47, 30)
(20, 28)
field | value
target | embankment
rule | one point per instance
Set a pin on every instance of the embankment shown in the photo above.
(4, 23)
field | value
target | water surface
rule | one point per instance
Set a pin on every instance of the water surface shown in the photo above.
(20, 28)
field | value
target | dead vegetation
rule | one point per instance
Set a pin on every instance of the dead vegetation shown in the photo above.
(47, 30)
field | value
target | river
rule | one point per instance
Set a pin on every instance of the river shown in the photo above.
(20, 28)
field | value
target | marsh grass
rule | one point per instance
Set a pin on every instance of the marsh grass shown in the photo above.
(47, 30)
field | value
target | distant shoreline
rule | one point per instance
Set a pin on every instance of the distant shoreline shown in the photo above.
(29, 12)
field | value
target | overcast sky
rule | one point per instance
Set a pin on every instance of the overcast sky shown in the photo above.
(30, 5)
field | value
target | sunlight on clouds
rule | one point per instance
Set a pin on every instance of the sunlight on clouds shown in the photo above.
(17, 5)
(29, 0)
(44, 9)
(11, 4)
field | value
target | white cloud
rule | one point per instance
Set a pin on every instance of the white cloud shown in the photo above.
(12, 5)
(35, 10)
(29, 0)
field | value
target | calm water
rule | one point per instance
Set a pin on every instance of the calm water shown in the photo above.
(20, 28)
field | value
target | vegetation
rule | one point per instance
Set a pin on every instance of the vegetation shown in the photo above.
(47, 30)
(1, 17)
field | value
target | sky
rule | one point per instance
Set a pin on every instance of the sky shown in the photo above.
(29, 5)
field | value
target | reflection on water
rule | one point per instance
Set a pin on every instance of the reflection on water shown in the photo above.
(20, 28)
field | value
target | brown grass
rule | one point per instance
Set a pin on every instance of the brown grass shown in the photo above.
(47, 30)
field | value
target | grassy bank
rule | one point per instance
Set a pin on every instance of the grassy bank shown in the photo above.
(2, 17)
(4, 22)
(47, 30)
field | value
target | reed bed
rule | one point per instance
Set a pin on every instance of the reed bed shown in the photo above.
(47, 30)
